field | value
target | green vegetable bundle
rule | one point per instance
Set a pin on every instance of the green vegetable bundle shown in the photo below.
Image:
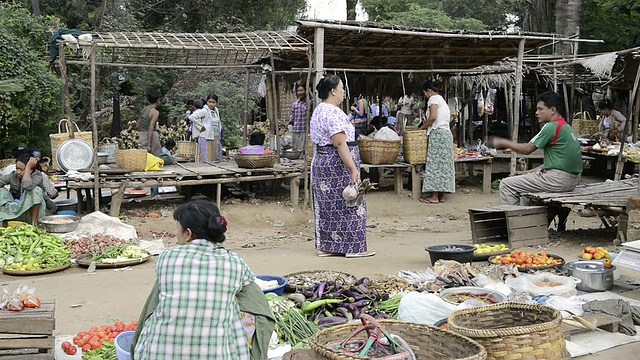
(108, 352)
(25, 247)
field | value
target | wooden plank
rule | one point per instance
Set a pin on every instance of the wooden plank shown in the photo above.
(517, 222)
(492, 232)
(519, 235)
(483, 216)
(29, 321)
(46, 342)
(27, 356)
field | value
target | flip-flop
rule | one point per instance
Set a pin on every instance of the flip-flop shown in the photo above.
(360, 255)
(326, 254)
(427, 201)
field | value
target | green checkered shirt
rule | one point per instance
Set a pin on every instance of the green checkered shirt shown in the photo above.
(197, 315)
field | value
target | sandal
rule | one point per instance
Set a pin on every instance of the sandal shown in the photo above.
(326, 254)
(429, 201)
(360, 255)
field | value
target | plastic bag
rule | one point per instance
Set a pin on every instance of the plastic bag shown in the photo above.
(386, 133)
(154, 163)
(480, 105)
(544, 284)
(488, 104)
(424, 308)
(29, 297)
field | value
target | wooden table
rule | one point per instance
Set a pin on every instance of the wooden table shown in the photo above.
(187, 174)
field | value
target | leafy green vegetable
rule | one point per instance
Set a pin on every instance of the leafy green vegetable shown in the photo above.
(108, 352)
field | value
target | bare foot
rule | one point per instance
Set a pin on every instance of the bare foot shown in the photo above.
(430, 201)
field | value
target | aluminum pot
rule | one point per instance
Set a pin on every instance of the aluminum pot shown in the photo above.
(59, 223)
(593, 275)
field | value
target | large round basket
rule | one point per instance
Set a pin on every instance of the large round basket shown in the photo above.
(186, 149)
(133, 159)
(531, 331)
(415, 147)
(256, 161)
(427, 342)
(379, 152)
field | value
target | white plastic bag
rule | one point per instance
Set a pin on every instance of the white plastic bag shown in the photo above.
(424, 308)
(385, 133)
(535, 285)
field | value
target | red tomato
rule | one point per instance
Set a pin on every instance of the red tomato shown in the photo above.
(93, 330)
(86, 348)
(101, 333)
(102, 328)
(76, 339)
(95, 345)
(82, 333)
(113, 328)
(72, 350)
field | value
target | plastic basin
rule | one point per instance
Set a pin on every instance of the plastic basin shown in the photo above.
(282, 282)
(252, 150)
(123, 345)
(67, 212)
(464, 255)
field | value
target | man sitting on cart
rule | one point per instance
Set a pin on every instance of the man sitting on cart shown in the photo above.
(562, 164)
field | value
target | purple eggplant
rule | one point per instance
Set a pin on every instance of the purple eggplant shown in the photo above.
(331, 321)
(363, 281)
(344, 312)
(361, 303)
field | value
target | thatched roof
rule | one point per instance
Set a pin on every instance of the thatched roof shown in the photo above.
(367, 45)
(183, 50)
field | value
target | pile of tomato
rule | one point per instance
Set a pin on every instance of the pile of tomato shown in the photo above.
(527, 260)
(93, 339)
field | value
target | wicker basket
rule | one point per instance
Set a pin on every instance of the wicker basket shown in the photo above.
(108, 146)
(379, 152)
(256, 161)
(61, 137)
(186, 149)
(427, 342)
(6, 162)
(415, 147)
(308, 154)
(133, 159)
(530, 331)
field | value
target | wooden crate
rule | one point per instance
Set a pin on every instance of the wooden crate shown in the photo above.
(28, 334)
(516, 226)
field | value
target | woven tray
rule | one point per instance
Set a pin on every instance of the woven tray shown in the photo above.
(427, 342)
(293, 287)
(35, 272)
(85, 261)
(536, 268)
(256, 161)
(531, 331)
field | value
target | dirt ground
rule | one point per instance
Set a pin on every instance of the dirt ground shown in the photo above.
(275, 239)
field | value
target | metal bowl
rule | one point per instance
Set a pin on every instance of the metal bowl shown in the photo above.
(59, 223)
(291, 154)
(102, 158)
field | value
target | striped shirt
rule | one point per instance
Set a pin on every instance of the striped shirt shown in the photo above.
(197, 315)
(298, 115)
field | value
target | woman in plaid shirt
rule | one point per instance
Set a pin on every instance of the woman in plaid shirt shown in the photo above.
(197, 316)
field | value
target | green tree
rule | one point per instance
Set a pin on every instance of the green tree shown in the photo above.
(26, 117)
(619, 29)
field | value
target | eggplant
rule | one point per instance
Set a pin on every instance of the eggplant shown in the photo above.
(297, 298)
(331, 321)
(363, 289)
(342, 311)
(321, 289)
(363, 281)
(361, 303)
(349, 306)
(385, 297)
(307, 293)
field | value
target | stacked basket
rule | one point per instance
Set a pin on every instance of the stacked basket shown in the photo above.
(133, 159)
(508, 329)
(415, 147)
(186, 149)
(379, 152)
(426, 342)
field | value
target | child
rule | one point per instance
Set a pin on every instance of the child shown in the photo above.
(166, 153)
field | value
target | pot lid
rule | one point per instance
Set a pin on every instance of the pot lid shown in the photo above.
(588, 266)
(75, 154)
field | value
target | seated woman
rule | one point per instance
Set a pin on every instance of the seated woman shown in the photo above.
(194, 309)
(25, 198)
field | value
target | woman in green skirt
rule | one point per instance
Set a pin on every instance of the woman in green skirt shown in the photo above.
(439, 171)
(24, 200)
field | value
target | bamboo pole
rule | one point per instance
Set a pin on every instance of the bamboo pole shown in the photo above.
(422, 71)
(625, 131)
(636, 117)
(66, 98)
(94, 121)
(245, 114)
(274, 98)
(305, 204)
(163, 66)
(516, 103)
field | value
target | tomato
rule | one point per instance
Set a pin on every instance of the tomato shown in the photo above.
(95, 345)
(113, 328)
(76, 339)
(82, 333)
(101, 333)
(72, 350)
(103, 328)
(93, 330)
(81, 343)
(86, 348)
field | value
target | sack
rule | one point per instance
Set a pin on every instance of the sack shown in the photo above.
(424, 308)
(154, 163)
(544, 284)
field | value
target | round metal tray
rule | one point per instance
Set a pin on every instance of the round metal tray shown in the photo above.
(34, 272)
(75, 154)
(85, 261)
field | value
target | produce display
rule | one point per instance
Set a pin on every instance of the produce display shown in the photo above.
(99, 337)
(312, 278)
(93, 244)
(459, 298)
(591, 253)
(524, 259)
(119, 253)
(26, 248)
(488, 249)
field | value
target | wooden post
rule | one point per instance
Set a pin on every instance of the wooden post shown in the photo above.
(94, 121)
(65, 89)
(516, 103)
(625, 131)
(245, 115)
(470, 112)
(275, 106)
(305, 204)
(318, 50)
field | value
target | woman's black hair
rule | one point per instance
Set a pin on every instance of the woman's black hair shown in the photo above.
(327, 83)
(203, 219)
(605, 104)
(257, 138)
(212, 96)
(198, 104)
(189, 102)
(430, 85)
(552, 99)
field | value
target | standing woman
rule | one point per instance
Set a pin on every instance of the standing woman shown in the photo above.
(439, 171)
(147, 126)
(360, 117)
(201, 120)
(340, 230)
(214, 136)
